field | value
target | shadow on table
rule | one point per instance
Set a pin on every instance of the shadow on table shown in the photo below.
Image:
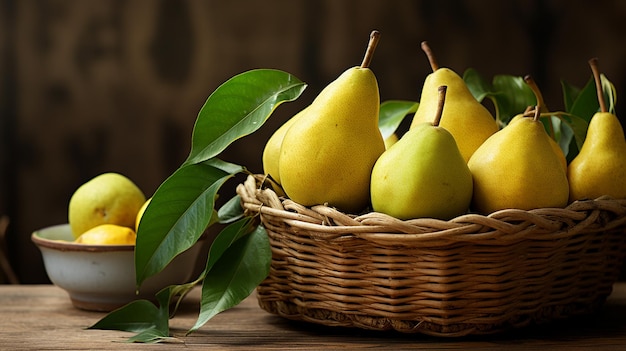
(608, 323)
(604, 329)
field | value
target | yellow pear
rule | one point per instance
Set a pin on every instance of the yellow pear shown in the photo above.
(108, 234)
(464, 117)
(327, 155)
(553, 144)
(530, 111)
(600, 166)
(517, 168)
(109, 198)
(423, 174)
(271, 151)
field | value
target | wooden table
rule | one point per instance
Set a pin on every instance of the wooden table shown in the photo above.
(41, 317)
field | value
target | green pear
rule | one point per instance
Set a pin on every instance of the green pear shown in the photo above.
(271, 151)
(464, 117)
(517, 168)
(423, 174)
(600, 166)
(327, 155)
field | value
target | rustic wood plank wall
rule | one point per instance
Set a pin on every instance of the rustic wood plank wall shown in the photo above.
(110, 85)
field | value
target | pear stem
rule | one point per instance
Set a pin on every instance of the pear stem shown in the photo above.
(537, 113)
(440, 102)
(371, 47)
(596, 76)
(541, 104)
(431, 57)
(535, 88)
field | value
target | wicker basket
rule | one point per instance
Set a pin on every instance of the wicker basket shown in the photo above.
(473, 274)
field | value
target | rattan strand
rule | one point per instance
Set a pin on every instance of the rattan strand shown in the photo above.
(471, 275)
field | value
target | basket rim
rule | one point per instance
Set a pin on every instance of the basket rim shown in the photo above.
(600, 214)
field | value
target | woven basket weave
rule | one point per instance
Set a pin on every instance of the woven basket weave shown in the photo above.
(473, 274)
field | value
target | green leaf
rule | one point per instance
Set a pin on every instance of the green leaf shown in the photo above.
(509, 94)
(513, 96)
(610, 93)
(236, 273)
(586, 103)
(567, 141)
(150, 336)
(178, 214)
(136, 316)
(477, 85)
(141, 316)
(573, 130)
(226, 238)
(570, 93)
(579, 128)
(227, 167)
(239, 107)
(231, 210)
(580, 106)
(392, 113)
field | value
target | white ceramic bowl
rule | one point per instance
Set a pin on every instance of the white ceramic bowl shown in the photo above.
(102, 277)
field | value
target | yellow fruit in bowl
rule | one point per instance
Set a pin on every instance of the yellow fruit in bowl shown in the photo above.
(140, 214)
(108, 234)
(109, 198)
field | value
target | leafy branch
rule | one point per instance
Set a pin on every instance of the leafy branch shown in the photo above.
(183, 207)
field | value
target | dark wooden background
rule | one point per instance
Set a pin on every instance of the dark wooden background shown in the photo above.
(110, 85)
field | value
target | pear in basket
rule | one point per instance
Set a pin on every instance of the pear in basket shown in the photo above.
(518, 168)
(600, 166)
(423, 174)
(271, 151)
(543, 109)
(467, 119)
(327, 155)
(555, 146)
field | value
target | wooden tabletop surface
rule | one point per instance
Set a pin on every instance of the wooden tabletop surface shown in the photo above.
(41, 317)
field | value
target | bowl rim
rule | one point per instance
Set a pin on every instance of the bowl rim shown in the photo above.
(64, 245)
